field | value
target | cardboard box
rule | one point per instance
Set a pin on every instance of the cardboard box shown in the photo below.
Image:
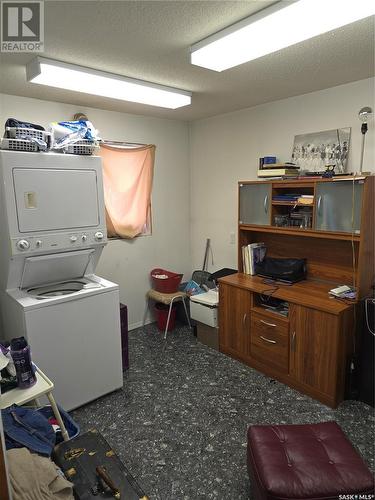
(208, 335)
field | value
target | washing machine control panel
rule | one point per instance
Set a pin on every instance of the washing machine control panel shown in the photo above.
(58, 241)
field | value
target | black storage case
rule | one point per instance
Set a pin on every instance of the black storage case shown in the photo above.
(284, 270)
(79, 459)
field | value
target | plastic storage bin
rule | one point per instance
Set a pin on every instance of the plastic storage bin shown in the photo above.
(18, 145)
(71, 426)
(20, 139)
(165, 281)
(82, 147)
(20, 132)
(161, 311)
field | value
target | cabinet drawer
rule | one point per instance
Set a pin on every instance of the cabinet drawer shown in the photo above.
(270, 341)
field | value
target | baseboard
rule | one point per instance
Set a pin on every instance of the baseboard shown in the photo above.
(133, 326)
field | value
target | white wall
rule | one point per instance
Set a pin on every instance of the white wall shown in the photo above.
(129, 262)
(225, 149)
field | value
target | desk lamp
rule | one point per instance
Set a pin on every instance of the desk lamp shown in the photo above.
(365, 114)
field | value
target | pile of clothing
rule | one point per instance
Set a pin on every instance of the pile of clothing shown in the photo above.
(71, 132)
(29, 440)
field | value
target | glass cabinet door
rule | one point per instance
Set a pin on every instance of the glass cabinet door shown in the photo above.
(338, 206)
(255, 203)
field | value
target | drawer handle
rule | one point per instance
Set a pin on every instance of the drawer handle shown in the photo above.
(268, 340)
(268, 324)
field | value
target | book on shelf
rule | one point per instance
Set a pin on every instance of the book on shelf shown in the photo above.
(272, 172)
(285, 164)
(286, 197)
(251, 255)
(245, 260)
(306, 200)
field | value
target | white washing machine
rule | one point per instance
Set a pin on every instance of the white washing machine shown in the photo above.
(52, 211)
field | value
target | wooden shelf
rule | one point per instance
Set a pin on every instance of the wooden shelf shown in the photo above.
(300, 232)
(271, 314)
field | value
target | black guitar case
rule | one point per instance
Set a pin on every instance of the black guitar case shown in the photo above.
(95, 470)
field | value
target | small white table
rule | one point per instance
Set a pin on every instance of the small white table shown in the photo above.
(42, 387)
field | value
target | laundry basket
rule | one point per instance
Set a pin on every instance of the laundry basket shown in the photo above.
(165, 281)
(82, 147)
(71, 426)
(20, 133)
(18, 145)
(25, 139)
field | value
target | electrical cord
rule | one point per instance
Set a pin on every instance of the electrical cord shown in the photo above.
(367, 302)
(352, 233)
(267, 294)
(270, 291)
(354, 271)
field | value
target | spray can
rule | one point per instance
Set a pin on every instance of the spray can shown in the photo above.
(21, 355)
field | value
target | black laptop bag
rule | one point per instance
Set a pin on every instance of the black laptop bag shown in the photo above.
(284, 270)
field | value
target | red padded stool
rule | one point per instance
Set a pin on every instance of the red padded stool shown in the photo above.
(304, 462)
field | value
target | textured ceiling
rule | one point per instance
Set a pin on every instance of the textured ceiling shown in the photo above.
(150, 40)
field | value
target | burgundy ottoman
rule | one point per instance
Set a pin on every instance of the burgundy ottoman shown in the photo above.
(305, 462)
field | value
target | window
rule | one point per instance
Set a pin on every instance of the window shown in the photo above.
(127, 178)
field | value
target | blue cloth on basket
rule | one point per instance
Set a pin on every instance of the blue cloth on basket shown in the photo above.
(26, 427)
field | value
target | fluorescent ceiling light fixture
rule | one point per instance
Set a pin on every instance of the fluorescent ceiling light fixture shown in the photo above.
(90, 81)
(275, 28)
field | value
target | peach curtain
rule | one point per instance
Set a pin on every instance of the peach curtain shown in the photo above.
(127, 177)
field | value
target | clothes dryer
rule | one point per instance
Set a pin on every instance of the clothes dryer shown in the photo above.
(53, 221)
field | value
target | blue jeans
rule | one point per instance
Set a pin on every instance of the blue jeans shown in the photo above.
(26, 427)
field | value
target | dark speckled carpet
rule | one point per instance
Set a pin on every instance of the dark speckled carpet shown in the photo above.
(179, 423)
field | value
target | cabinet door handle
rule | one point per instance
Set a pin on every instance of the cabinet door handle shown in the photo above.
(268, 340)
(265, 203)
(268, 324)
(319, 204)
(293, 344)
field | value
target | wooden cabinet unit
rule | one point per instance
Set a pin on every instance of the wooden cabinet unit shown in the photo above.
(235, 322)
(310, 345)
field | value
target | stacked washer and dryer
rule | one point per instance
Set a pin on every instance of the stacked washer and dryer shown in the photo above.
(53, 232)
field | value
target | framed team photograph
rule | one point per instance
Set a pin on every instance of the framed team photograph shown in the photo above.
(316, 151)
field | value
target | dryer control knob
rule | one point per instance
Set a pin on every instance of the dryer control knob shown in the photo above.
(99, 235)
(84, 238)
(73, 239)
(23, 245)
(38, 243)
